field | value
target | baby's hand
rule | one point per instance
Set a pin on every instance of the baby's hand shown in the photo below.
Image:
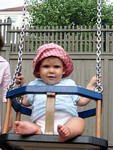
(92, 84)
(21, 80)
(93, 81)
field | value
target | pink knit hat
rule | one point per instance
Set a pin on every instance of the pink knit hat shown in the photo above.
(52, 49)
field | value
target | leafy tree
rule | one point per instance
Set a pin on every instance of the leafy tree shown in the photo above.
(68, 12)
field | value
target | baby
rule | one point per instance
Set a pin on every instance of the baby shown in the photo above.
(52, 65)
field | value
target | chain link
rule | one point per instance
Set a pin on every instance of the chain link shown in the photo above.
(20, 52)
(99, 87)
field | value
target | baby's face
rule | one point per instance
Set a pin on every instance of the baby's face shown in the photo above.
(51, 70)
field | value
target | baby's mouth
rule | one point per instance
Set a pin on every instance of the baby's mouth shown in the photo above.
(51, 77)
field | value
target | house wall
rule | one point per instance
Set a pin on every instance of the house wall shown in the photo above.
(16, 17)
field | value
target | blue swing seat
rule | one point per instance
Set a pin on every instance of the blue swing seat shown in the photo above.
(46, 141)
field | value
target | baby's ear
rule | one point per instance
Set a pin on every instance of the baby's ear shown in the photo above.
(63, 71)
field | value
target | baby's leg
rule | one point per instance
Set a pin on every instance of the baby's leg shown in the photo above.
(70, 129)
(25, 127)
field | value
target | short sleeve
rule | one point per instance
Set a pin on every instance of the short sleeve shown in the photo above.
(30, 97)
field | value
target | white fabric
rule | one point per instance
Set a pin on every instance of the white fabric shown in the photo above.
(5, 77)
(60, 118)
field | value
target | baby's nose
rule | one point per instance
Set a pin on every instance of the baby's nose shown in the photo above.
(51, 69)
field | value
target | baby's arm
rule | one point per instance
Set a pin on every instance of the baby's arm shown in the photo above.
(91, 86)
(22, 81)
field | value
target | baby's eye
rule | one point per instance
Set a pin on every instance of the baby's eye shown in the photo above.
(57, 66)
(45, 66)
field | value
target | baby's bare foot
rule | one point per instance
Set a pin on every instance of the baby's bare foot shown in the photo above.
(25, 127)
(64, 133)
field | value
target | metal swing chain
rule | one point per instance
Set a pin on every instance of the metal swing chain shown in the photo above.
(99, 87)
(20, 52)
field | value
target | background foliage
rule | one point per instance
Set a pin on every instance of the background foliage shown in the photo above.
(68, 12)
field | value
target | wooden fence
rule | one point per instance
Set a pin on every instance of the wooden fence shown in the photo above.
(5, 26)
(84, 59)
(73, 39)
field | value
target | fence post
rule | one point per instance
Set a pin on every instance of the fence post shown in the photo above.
(8, 37)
